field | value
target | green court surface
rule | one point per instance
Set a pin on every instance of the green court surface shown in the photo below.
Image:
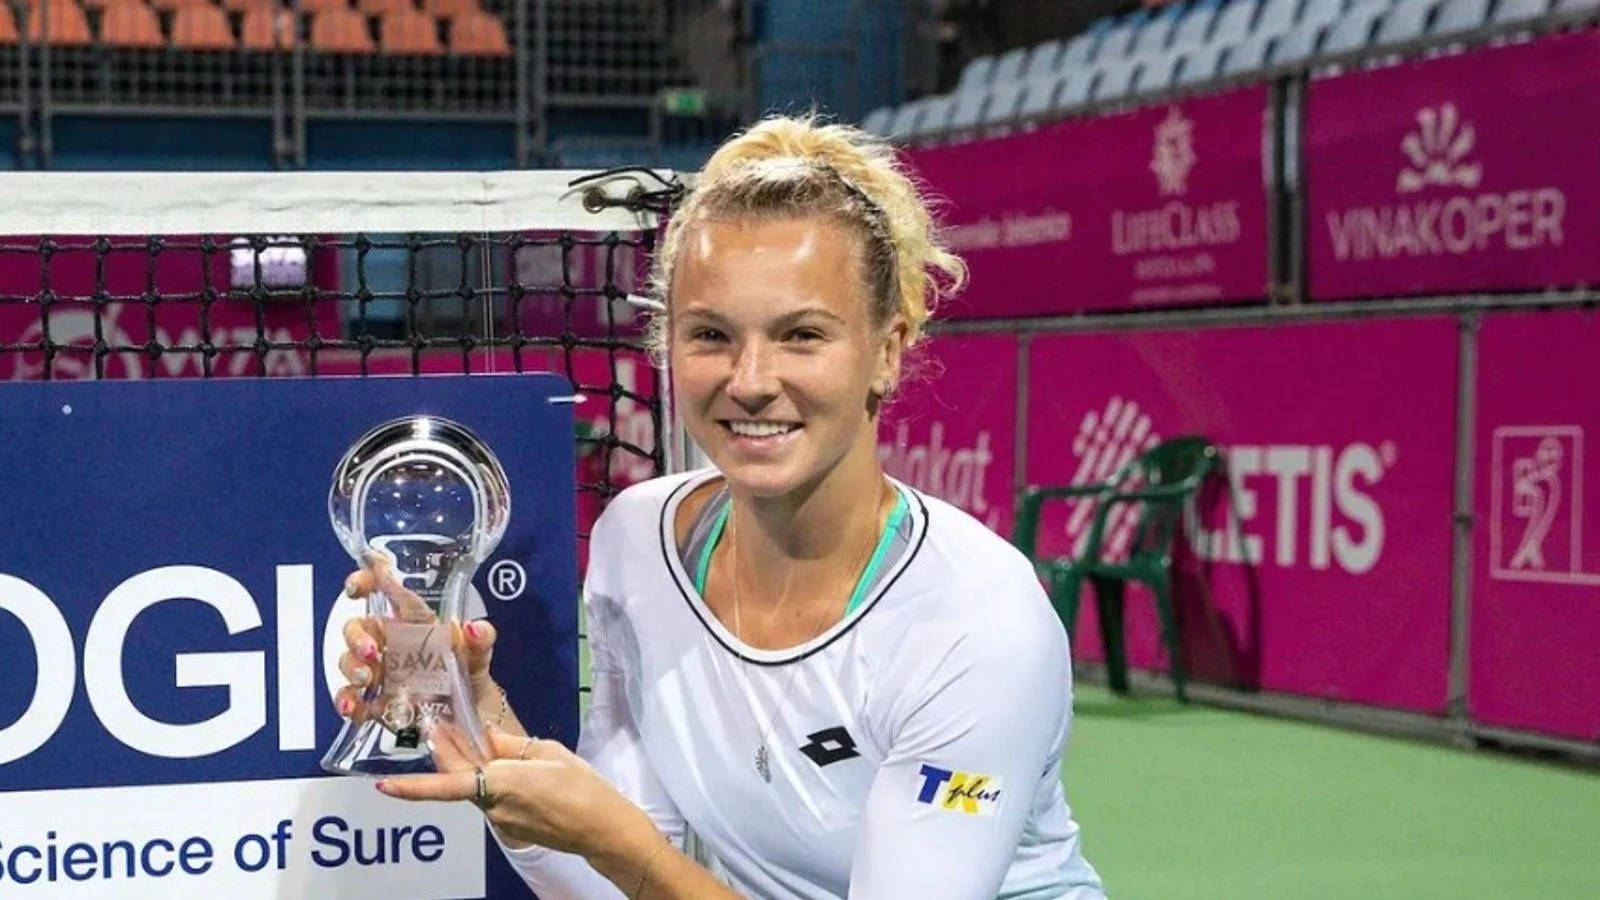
(1196, 803)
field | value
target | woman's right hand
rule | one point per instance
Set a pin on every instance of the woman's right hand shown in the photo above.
(362, 661)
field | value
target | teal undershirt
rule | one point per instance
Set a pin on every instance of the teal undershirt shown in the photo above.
(863, 584)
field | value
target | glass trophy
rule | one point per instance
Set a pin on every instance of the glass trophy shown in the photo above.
(421, 501)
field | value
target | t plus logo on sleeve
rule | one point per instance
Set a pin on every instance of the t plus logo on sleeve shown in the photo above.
(965, 792)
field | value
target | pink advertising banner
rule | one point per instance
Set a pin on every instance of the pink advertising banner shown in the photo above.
(951, 429)
(1470, 172)
(1157, 207)
(1535, 651)
(180, 274)
(1320, 565)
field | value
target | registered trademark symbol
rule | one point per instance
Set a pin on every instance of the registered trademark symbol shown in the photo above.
(507, 579)
(1388, 452)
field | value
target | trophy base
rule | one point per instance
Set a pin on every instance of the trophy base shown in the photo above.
(371, 749)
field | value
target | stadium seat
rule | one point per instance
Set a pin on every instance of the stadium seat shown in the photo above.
(1248, 56)
(1200, 64)
(1353, 32)
(935, 117)
(382, 7)
(1406, 20)
(201, 28)
(1004, 98)
(1040, 96)
(69, 27)
(130, 24)
(1233, 22)
(1194, 28)
(906, 119)
(1279, 16)
(877, 121)
(1299, 44)
(478, 34)
(162, 5)
(1078, 88)
(409, 32)
(1155, 36)
(1116, 80)
(1009, 66)
(340, 31)
(449, 9)
(968, 110)
(1078, 52)
(1042, 60)
(1319, 14)
(8, 26)
(267, 28)
(1519, 10)
(977, 75)
(1456, 16)
(1118, 40)
(1155, 74)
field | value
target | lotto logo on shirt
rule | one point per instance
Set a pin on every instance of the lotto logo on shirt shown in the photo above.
(965, 792)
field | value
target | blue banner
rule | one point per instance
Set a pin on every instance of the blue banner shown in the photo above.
(169, 620)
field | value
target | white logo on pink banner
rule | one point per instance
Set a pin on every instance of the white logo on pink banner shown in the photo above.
(1438, 217)
(1106, 441)
(1536, 504)
(1174, 153)
(1335, 477)
(75, 328)
(1437, 151)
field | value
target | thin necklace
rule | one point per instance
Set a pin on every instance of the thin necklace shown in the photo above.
(763, 758)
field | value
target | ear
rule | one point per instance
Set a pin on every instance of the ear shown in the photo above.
(891, 350)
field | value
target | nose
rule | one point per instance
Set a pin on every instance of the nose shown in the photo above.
(754, 383)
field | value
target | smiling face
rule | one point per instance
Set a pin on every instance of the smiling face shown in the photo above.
(775, 354)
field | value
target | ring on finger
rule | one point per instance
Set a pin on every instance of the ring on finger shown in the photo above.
(526, 746)
(480, 791)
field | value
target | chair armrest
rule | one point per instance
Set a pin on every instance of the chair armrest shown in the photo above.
(1159, 492)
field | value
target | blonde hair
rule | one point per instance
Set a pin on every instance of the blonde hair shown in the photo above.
(797, 167)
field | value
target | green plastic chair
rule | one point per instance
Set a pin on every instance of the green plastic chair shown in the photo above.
(1160, 481)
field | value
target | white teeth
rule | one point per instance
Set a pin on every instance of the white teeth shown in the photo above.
(761, 429)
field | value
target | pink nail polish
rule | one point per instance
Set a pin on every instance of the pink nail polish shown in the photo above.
(473, 630)
(345, 707)
(382, 787)
(369, 652)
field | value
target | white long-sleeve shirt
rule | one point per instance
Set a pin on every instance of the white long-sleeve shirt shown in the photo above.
(914, 747)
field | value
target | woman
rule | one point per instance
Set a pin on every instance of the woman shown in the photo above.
(840, 685)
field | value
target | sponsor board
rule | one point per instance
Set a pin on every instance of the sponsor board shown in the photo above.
(170, 613)
(1317, 561)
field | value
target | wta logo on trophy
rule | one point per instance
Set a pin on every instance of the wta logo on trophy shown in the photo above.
(1535, 504)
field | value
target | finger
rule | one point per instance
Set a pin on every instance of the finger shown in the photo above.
(407, 604)
(453, 749)
(441, 786)
(364, 637)
(478, 637)
(349, 703)
(360, 583)
(360, 673)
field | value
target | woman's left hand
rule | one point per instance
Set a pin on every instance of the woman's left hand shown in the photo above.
(535, 792)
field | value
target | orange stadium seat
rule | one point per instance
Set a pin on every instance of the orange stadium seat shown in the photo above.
(201, 28)
(409, 32)
(478, 34)
(449, 9)
(267, 27)
(69, 27)
(382, 7)
(130, 24)
(340, 31)
(8, 26)
(163, 4)
(316, 6)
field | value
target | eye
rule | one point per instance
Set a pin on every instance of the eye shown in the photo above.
(706, 335)
(806, 335)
